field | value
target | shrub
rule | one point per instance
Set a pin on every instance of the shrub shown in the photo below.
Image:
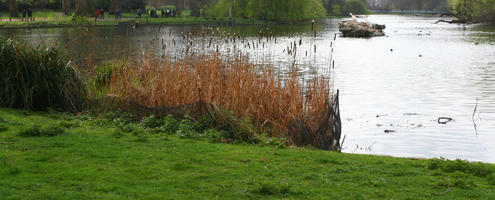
(123, 125)
(491, 179)
(38, 78)
(477, 169)
(186, 129)
(42, 131)
(79, 20)
(213, 135)
(101, 78)
(151, 122)
(3, 128)
(170, 125)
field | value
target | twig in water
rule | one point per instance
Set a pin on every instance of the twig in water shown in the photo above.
(472, 118)
(342, 143)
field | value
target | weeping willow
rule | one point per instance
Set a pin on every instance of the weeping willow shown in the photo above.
(277, 10)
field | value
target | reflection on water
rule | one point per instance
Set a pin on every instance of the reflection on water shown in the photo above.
(402, 82)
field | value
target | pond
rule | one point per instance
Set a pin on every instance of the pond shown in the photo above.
(393, 89)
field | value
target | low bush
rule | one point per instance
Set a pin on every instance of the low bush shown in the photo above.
(268, 188)
(42, 131)
(3, 128)
(491, 179)
(38, 78)
(477, 169)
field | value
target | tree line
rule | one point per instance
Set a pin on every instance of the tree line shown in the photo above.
(415, 5)
(474, 10)
(280, 10)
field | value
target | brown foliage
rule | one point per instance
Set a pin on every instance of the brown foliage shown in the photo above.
(269, 99)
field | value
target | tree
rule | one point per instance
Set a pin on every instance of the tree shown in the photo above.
(474, 10)
(279, 10)
(14, 12)
(84, 7)
(66, 7)
(230, 9)
(356, 7)
(114, 5)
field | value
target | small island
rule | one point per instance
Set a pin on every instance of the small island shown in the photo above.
(353, 28)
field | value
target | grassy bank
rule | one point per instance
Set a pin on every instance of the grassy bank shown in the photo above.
(46, 19)
(85, 156)
(142, 21)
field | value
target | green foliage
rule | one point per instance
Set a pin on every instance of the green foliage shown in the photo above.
(151, 122)
(78, 20)
(457, 180)
(170, 125)
(50, 130)
(277, 10)
(3, 128)
(124, 125)
(186, 130)
(103, 73)
(477, 11)
(357, 7)
(213, 135)
(8, 163)
(336, 10)
(477, 169)
(439, 5)
(491, 179)
(38, 78)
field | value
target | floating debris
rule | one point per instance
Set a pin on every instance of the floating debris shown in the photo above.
(444, 120)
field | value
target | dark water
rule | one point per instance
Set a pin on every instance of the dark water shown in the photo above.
(402, 82)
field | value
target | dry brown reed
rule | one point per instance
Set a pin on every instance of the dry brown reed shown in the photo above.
(269, 99)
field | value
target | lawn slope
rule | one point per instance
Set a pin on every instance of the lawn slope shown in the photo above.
(88, 158)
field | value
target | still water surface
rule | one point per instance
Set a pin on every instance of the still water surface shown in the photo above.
(402, 82)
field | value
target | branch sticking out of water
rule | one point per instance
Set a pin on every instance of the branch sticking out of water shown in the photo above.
(472, 118)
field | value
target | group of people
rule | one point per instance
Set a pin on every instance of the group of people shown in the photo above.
(27, 15)
(100, 13)
(156, 13)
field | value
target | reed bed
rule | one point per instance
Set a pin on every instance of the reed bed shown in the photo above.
(38, 78)
(269, 100)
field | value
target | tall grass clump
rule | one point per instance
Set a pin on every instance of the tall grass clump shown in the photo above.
(270, 101)
(38, 78)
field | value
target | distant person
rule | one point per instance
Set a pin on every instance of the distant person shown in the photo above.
(102, 13)
(24, 13)
(30, 14)
(98, 12)
(139, 13)
(163, 13)
(118, 14)
(174, 13)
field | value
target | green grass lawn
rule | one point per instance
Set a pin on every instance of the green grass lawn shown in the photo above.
(56, 19)
(88, 157)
